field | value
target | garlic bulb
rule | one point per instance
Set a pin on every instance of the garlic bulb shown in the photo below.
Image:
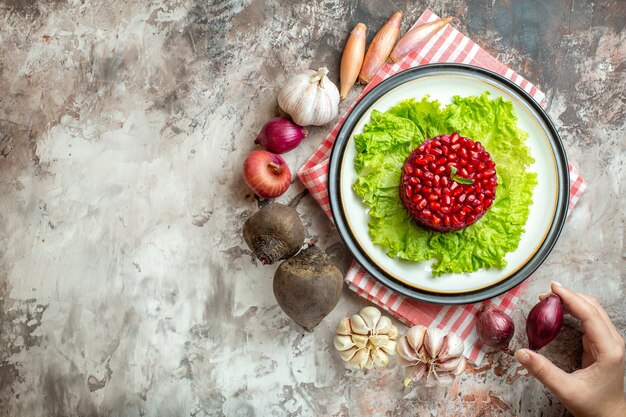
(431, 352)
(310, 98)
(366, 339)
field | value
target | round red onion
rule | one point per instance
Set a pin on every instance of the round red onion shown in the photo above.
(280, 135)
(544, 322)
(495, 328)
(267, 174)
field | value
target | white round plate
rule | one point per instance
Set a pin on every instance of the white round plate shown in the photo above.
(550, 196)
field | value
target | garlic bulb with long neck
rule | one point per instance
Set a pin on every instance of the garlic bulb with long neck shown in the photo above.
(432, 353)
(310, 98)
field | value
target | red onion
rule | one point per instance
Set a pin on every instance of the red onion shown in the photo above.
(544, 322)
(495, 328)
(267, 174)
(280, 135)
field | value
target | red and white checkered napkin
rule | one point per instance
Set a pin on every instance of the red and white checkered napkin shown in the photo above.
(449, 45)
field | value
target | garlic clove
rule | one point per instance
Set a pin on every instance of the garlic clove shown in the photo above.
(343, 327)
(347, 355)
(343, 342)
(360, 358)
(433, 341)
(358, 325)
(405, 362)
(390, 348)
(416, 372)
(461, 368)
(371, 316)
(379, 340)
(405, 350)
(452, 347)
(384, 325)
(379, 357)
(415, 336)
(359, 340)
(392, 332)
(449, 365)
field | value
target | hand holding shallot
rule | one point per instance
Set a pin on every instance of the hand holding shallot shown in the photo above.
(597, 389)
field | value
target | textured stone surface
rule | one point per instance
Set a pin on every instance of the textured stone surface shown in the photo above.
(125, 285)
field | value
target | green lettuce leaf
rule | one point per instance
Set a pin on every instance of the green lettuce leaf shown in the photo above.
(389, 138)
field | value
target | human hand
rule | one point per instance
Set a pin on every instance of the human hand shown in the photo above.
(597, 389)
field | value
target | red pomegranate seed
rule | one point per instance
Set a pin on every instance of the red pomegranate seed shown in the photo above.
(433, 197)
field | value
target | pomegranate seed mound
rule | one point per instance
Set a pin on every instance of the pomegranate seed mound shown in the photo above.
(448, 183)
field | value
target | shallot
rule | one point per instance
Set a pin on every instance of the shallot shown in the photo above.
(416, 36)
(351, 60)
(495, 328)
(280, 135)
(379, 49)
(544, 321)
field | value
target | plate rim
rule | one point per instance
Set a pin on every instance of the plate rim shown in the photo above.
(339, 217)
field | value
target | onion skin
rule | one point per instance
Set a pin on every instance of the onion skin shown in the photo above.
(544, 322)
(495, 328)
(280, 135)
(267, 174)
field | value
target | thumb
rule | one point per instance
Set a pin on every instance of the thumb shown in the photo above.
(541, 368)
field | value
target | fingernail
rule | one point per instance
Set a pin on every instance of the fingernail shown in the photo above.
(558, 284)
(543, 295)
(522, 356)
